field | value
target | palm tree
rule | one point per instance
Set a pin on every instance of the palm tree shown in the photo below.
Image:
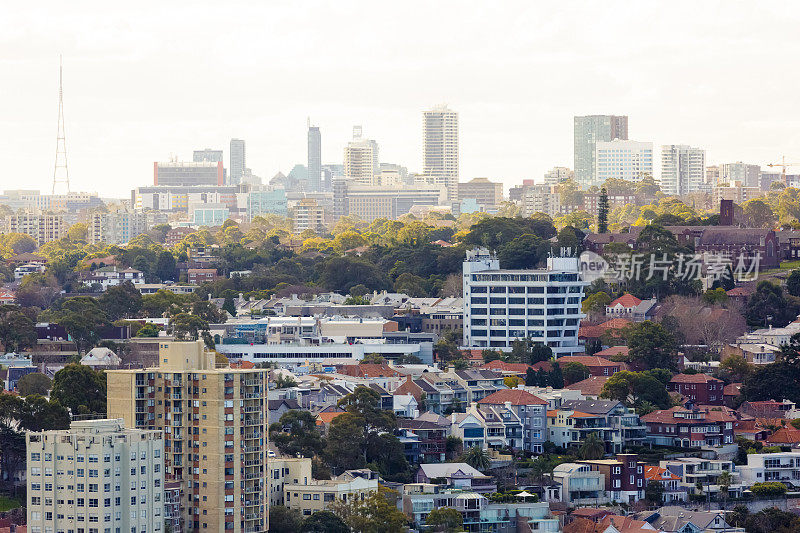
(539, 469)
(724, 481)
(477, 458)
(592, 448)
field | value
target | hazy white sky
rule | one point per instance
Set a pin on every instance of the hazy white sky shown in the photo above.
(165, 78)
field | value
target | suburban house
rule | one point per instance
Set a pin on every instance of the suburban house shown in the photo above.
(694, 427)
(456, 475)
(630, 307)
(597, 366)
(701, 389)
(529, 409)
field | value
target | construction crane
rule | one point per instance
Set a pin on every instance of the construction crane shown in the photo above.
(782, 165)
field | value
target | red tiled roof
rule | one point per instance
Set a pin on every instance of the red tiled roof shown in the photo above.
(738, 291)
(785, 435)
(591, 386)
(625, 524)
(547, 366)
(596, 331)
(694, 378)
(591, 511)
(243, 364)
(734, 389)
(656, 473)
(325, 418)
(665, 416)
(519, 368)
(615, 323)
(369, 370)
(586, 360)
(626, 300)
(612, 351)
(516, 397)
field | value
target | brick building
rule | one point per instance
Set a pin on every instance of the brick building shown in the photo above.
(701, 389)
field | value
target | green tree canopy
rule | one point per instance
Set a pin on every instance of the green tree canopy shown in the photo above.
(121, 301)
(323, 522)
(296, 433)
(17, 330)
(34, 383)
(445, 519)
(650, 345)
(80, 389)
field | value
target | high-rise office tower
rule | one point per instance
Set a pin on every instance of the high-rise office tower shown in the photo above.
(440, 148)
(95, 476)
(314, 158)
(238, 161)
(361, 159)
(588, 131)
(624, 160)
(682, 169)
(214, 422)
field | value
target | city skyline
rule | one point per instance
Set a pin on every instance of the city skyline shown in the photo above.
(127, 106)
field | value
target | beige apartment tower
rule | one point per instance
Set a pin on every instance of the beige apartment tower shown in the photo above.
(440, 149)
(95, 476)
(215, 423)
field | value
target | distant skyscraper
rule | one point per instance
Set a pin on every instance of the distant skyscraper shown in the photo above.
(361, 159)
(440, 148)
(207, 154)
(588, 131)
(238, 161)
(625, 160)
(682, 169)
(314, 158)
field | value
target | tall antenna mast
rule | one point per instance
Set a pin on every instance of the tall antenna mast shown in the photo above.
(61, 143)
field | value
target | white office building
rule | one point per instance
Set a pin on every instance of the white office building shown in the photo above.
(501, 306)
(625, 160)
(96, 476)
(361, 159)
(440, 149)
(683, 169)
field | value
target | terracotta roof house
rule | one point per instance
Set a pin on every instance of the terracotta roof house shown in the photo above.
(590, 387)
(679, 426)
(750, 429)
(786, 435)
(614, 351)
(514, 396)
(730, 393)
(368, 370)
(597, 331)
(598, 366)
(325, 418)
(769, 409)
(673, 491)
(702, 389)
(519, 369)
(529, 409)
(595, 514)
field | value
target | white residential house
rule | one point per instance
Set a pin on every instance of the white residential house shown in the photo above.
(783, 467)
(112, 276)
(405, 405)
